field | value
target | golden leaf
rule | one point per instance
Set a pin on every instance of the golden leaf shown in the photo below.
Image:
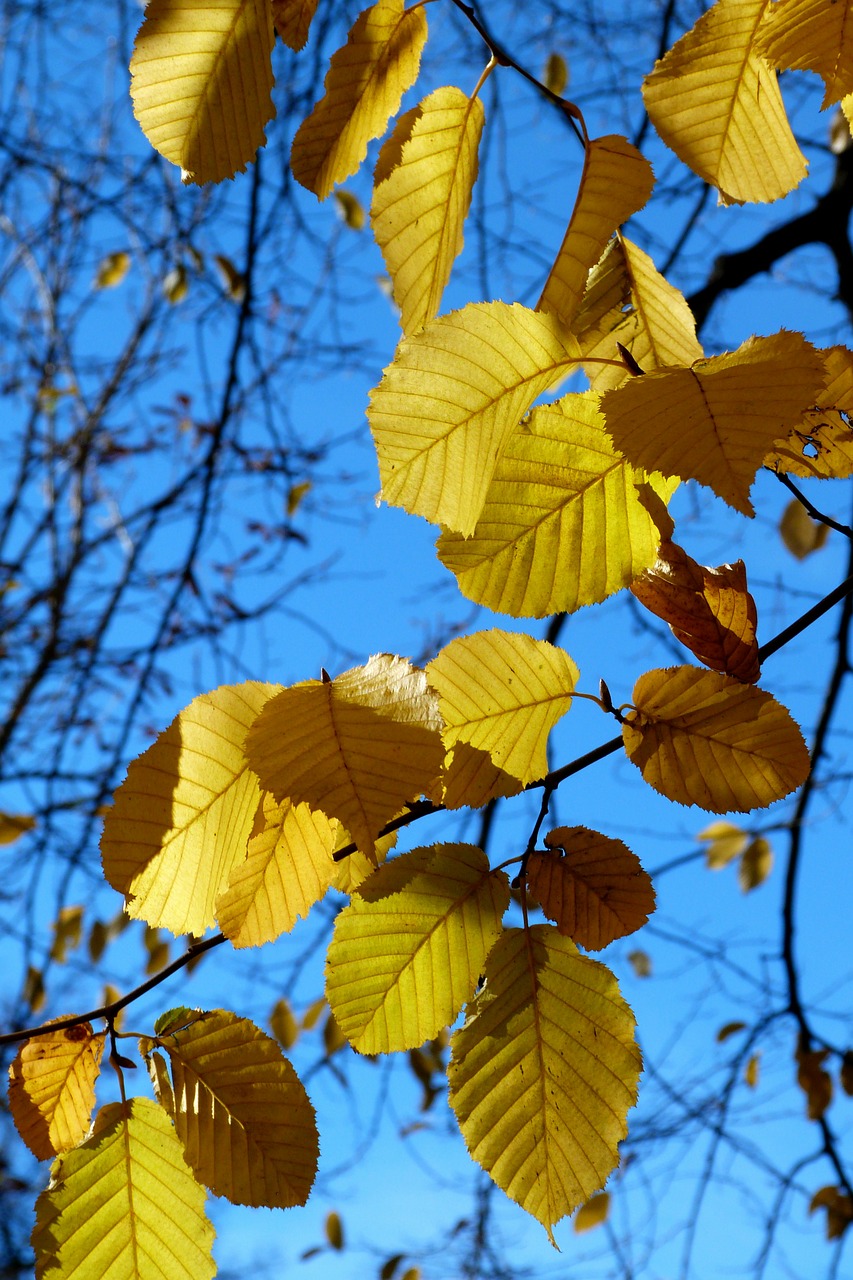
(52, 1088)
(363, 88)
(702, 738)
(822, 444)
(470, 779)
(556, 77)
(201, 83)
(751, 1071)
(334, 1230)
(284, 1025)
(14, 825)
(726, 842)
(292, 20)
(350, 209)
(800, 533)
(756, 863)
(111, 270)
(592, 1214)
(810, 35)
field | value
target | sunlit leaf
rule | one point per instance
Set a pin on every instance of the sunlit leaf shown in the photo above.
(234, 280)
(810, 35)
(67, 932)
(292, 20)
(351, 209)
(111, 270)
(800, 533)
(201, 83)
(284, 1026)
(544, 1071)
(52, 1088)
(407, 951)
(703, 738)
(363, 87)
(592, 1214)
(822, 444)
(176, 284)
(756, 863)
(726, 842)
(471, 778)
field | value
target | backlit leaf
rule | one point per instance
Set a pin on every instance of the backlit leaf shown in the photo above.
(752, 1070)
(726, 842)
(616, 182)
(471, 778)
(756, 863)
(241, 1112)
(183, 816)
(350, 209)
(201, 83)
(810, 35)
(292, 20)
(716, 103)
(822, 444)
(445, 409)
(564, 523)
(14, 825)
(593, 1213)
(544, 1071)
(703, 738)
(800, 533)
(67, 932)
(357, 747)
(422, 191)
(709, 610)
(503, 692)
(596, 892)
(716, 421)
(363, 87)
(111, 270)
(124, 1204)
(52, 1088)
(408, 949)
(284, 1025)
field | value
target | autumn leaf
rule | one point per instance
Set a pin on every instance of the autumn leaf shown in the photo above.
(201, 83)
(364, 84)
(839, 1210)
(592, 1214)
(701, 738)
(111, 270)
(814, 1080)
(470, 779)
(14, 825)
(725, 842)
(293, 19)
(408, 949)
(809, 35)
(52, 1088)
(709, 610)
(756, 863)
(800, 533)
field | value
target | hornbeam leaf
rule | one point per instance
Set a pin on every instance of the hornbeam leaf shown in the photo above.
(444, 410)
(288, 868)
(822, 444)
(716, 103)
(293, 19)
(703, 738)
(183, 815)
(709, 610)
(201, 83)
(470, 778)
(627, 300)
(364, 84)
(564, 523)
(52, 1088)
(810, 35)
(124, 1204)
(595, 892)
(716, 421)
(616, 182)
(503, 693)
(544, 1071)
(358, 747)
(409, 947)
(241, 1111)
(422, 192)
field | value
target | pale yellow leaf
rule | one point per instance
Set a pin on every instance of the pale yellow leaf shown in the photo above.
(358, 747)
(756, 863)
(14, 825)
(445, 409)
(716, 421)
(628, 301)
(292, 20)
(593, 1213)
(615, 183)
(183, 816)
(726, 842)
(704, 739)
(111, 270)
(811, 35)
(355, 867)
(563, 524)
(822, 444)
(544, 1071)
(800, 533)
(201, 83)
(241, 1112)
(717, 104)
(424, 179)
(124, 1205)
(52, 1088)
(363, 88)
(503, 692)
(407, 951)
(287, 869)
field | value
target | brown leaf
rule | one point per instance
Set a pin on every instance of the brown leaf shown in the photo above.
(800, 533)
(839, 1210)
(814, 1080)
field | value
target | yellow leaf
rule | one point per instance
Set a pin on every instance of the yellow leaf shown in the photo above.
(183, 815)
(702, 738)
(544, 1071)
(234, 280)
(811, 35)
(708, 610)
(751, 1071)
(422, 192)
(333, 1038)
(284, 1025)
(334, 1230)
(616, 182)
(716, 103)
(537, 548)
(814, 1080)
(111, 270)
(312, 1014)
(350, 209)
(756, 863)
(641, 963)
(357, 747)
(295, 494)
(201, 83)
(67, 932)
(470, 779)
(593, 1213)
(292, 20)
(33, 992)
(800, 533)
(822, 444)
(726, 843)
(730, 1029)
(241, 1112)
(288, 868)
(52, 1088)
(503, 693)
(556, 77)
(407, 951)
(14, 825)
(355, 867)
(592, 887)
(176, 285)
(363, 88)
(716, 421)
(628, 301)
(124, 1204)
(446, 407)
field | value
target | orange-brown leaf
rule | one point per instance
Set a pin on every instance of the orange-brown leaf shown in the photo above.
(292, 20)
(814, 1080)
